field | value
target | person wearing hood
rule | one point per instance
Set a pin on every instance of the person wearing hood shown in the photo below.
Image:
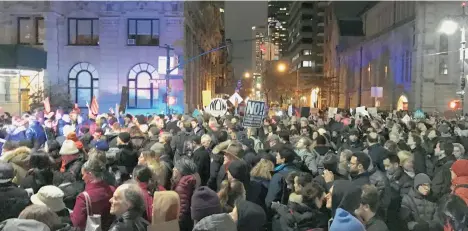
(459, 172)
(416, 210)
(19, 158)
(166, 207)
(128, 205)
(442, 178)
(12, 198)
(304, 215)
(245, 212)
(185, 180)
(419, 154)
(343, 199)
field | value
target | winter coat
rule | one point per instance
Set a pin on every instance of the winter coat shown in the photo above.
(215, 166)
(361, 179)
(16, 134)
(216, 222)
(70, 186)
(202, 159)
(419, 155)
(378, 154)
(258, 191)
(441, 182)
(138, 142)
(165, 211)
(460, 187)
(400, 185)
(277, 190)
(178, 144)
(380, 180)
(12, 201)
(19, 158)
(353, 146)
(36, 178)
(100, 193)
(222, 175)
(199, 131)
(148, 197)
(36, 134)
(416, 208)
(73, 167)
(298, 217)
(309, 159)
(16, 224)
(127, 157)
(185, 188)
(129, 221)
(153, 140)
(376, 224)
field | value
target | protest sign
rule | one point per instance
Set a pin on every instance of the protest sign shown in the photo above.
(254, 113)
(372, 111)
(362, 111)
(217, 107)
(332, 111)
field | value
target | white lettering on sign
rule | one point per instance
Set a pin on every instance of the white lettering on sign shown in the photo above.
(256, 108)
(254, 113)
(217, 107)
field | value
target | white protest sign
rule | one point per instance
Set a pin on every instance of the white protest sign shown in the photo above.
(217, 107)
(406, 119)
(372, 111)
(235, 99)
(362, 111)
(254, 113)
(290, 110)
(332, 112)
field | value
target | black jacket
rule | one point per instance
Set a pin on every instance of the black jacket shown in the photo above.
(258, 191)
(127, 157)
(201, 157)
(419, 154)
(361, 179)
(215, 166)
(442, 180)
(298, 217)
(277, 188)
(12, 201)
(375, 224)
(129, 221)
(36, 178)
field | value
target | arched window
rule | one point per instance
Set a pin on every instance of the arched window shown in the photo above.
(143, 86)
(83, 83)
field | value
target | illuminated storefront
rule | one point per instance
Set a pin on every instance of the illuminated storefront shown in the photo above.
(314, 97)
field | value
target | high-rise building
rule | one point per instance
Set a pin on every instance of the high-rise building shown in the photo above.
(278, 14)
(305, 37)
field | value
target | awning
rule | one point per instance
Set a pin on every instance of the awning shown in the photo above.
(13, 56)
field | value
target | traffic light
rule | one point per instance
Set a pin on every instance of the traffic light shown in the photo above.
(455, 104)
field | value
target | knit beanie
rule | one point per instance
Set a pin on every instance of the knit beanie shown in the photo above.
(239, 169)
(460, 167)
(420, 179)
(205, 202)
(102, 145)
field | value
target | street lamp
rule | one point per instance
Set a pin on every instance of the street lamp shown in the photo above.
(449, 27)
(246, 75)
(281, 67)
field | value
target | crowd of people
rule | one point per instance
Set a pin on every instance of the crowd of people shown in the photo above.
(60, 172)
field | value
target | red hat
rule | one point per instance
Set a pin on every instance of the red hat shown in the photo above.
(460, 167)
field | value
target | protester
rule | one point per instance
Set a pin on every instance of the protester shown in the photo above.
(12, 199)
(52, 197)
(128, 205)
(40, 174)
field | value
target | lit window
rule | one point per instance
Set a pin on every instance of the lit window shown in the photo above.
(307, 52)
(386, 69)
(221, 10)
(83, 83)
(443, 68)
(143, 86)
(31, 31)
(307, 63)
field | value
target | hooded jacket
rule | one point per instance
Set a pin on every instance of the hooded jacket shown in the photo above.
(15, 133)
(129, 221)
(248, 212)
(36, 134)
(19, 158)
(166, 207)
(216, 222)
(345, 221)
(12, 201)
(298, 216)
(460, 183)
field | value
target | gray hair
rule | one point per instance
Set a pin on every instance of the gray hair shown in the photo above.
(134, 196)
(461, 147)
(186, 166)
(95, 166)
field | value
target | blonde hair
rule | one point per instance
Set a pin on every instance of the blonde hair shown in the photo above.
(404, 156)
(206, 137)
(263, 169)
(230, 192)
(166, 136)
(158, 168)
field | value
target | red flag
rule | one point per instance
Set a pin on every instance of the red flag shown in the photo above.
(46, 105)
(76, 109)
(94, 108)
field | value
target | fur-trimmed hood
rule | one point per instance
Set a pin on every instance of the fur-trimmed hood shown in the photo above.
(19, 156)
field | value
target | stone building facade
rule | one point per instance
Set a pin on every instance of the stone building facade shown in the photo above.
(95, 48)
(402, 52)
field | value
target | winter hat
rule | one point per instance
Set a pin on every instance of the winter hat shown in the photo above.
(205, 202)
(234, 150)
(102, 145)
(420, 179)
(16, 224)
(444, 128)
(50, 196)
(124, 137)
(460, 167)
(239, 169)
(7, 173)
(248, 212)
(344, 221)
(68, 148)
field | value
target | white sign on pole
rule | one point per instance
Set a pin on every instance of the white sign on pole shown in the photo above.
(290, 110)
(377, 92)
(235, 98)
(217, 107)
(362, 111)
(254, 114)
(332, 111)
(372, 111)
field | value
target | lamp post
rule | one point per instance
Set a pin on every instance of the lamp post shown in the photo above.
(449, 27)
(282, 68)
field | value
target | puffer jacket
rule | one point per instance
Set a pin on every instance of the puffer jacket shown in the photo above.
(185, 188)
(12, 200)
(138, 142)
(380, 180)
(19, 158)
(416, 208)
(36, 134)
(129, 221)
(309, 159)
(16, 134)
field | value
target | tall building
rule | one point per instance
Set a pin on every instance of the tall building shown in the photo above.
(305, 42)
(278, 14)
(83, 49)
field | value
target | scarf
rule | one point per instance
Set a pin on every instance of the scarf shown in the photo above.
(66, 160)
